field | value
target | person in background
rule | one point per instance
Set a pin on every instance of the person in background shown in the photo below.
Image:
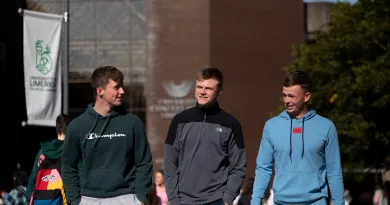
(381, 195)
(347, 197)
(160, 187)
(3, 195)
(49, 149)
(152, 198)
(17, 196)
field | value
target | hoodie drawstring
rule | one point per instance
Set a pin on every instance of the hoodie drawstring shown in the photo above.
(290, 138)
(84, 142)
(89, 132)
(101, 131)
(303, 140)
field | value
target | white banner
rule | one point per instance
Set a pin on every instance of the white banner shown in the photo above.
(42, 71)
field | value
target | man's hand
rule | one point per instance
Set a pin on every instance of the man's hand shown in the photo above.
(142, 203)
(226, 203)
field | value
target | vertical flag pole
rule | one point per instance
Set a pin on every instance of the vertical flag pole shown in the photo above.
(66, 62)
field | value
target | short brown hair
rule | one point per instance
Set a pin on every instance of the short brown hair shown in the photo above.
(300, 78)
(209, 73)
(62, 123)
(102, 75)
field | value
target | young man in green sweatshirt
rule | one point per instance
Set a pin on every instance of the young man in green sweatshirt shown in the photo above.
(49, 149)
(113, 147)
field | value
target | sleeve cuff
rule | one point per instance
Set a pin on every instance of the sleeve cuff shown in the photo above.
(228, 199)
(174, 201)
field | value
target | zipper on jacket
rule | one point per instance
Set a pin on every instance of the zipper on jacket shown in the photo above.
(202, 128)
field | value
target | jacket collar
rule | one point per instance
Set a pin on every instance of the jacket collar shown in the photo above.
(213, 109)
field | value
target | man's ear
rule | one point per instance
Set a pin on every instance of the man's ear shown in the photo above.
(220, 91)
(99, 92)
(307, 97)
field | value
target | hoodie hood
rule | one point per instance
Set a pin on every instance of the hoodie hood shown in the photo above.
(302, 120)
(53, 149)
(94, 114)
(306, 117)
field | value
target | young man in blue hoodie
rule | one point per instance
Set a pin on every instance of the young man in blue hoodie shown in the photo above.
(116, 160)
(303, 146)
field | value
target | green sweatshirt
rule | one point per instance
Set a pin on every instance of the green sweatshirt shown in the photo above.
(115, 153)
(51, 149)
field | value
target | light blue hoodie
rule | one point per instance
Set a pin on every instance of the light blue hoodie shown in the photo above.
(304, 152)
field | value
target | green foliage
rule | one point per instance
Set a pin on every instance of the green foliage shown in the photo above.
(350, 65)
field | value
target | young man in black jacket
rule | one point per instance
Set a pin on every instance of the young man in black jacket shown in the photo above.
(204, 157)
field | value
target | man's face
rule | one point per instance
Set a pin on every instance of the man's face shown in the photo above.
(3, 193)
(112, 93)
(206, 91)
(159, 178)
(295, 98)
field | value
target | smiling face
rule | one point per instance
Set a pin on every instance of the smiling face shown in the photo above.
(206, 92)
(295, 99)
(209, 85)
(297, 88)
(107, 83)
(112, 93)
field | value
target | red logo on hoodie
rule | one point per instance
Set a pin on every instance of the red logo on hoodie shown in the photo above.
(297, 130)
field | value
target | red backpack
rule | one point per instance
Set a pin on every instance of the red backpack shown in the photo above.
(48, 188)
